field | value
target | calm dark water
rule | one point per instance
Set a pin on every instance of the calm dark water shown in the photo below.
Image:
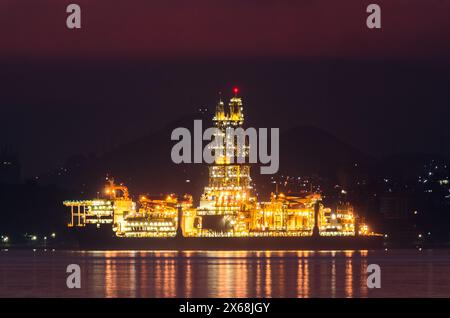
(404, 273)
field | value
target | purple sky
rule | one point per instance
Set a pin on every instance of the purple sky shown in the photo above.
(132, 62)
(224, 28)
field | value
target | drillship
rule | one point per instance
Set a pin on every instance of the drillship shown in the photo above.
(228, 216)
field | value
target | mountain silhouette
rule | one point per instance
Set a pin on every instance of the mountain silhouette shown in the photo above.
(307, 150)
(145, 164)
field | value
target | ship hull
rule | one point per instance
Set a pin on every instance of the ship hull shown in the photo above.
(94, 241)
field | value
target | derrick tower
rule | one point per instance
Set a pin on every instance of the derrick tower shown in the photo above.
(227, 196)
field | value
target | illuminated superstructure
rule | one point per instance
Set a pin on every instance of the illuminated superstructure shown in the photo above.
(154, 218)
(227, 207)
(227, 201)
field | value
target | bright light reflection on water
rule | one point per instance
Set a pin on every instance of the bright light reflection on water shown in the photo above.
(404, 273)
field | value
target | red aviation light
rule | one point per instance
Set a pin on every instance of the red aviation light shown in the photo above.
(235, 90)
